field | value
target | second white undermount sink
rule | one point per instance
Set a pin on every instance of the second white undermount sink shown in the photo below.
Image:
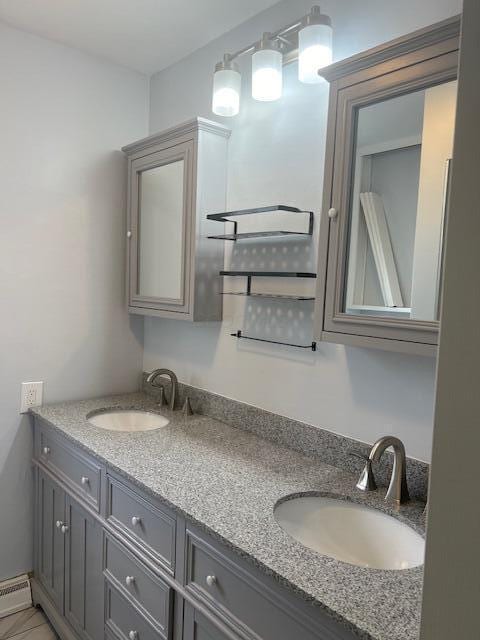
(127, 420)
(351, 532)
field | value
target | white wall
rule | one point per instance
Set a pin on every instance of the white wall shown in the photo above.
(64, 115)
(276, 155)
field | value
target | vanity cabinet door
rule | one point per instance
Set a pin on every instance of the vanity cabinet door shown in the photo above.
(84, 586)
(197, 627)
(50, 542)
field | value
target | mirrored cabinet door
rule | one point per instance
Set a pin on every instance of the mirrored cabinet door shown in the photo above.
(160, 214)
(391, 128)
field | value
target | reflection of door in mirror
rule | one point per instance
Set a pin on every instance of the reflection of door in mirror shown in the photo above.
(398, 201)
(160, 238)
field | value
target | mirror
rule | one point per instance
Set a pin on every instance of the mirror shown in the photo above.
(160, 233)
(399, 191)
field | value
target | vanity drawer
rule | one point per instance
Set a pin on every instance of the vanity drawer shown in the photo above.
(125, 620)
(148, 526)
(148, 591)
(235, 594)
(74, 469)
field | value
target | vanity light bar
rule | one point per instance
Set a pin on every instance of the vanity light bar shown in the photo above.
(309, 40)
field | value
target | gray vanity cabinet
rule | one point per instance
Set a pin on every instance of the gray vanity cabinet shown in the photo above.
(175, 178)
(69, 557)
(115, 563)
(197, 627)
(83, 606)
(50, 541)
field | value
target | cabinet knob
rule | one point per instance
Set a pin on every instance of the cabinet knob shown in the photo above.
(129, 580)
(133, 635)
(59, 524)
(332, 213)
(64, 528)
(46, 451)
(85, 480)
(211, 580)
(136, 520)
(129, 234)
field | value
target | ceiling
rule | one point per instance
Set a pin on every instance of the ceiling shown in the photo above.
(145, 35)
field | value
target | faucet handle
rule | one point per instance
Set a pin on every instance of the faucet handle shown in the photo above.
(187, 407)
(366, 481)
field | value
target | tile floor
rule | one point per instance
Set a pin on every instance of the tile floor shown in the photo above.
(29, 624)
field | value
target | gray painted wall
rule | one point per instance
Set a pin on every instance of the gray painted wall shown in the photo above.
(276, 155)
(64, 117)
(452, 566)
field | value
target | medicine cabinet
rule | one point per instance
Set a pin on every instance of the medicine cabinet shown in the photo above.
(174, 179)
(386, 186)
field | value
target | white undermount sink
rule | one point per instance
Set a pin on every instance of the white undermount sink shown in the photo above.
(351, 532)
(127, 420)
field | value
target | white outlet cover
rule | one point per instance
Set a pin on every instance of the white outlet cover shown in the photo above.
(32, 396)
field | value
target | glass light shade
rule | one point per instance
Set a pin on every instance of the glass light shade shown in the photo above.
(315, 51)
(226, 92)
(266, 75)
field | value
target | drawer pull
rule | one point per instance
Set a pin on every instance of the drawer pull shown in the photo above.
(129, 580)
(136, 520)
(46, 451)
(85, 480)
(211, 580)
(59, 524)
(133, 635)
(64, 528)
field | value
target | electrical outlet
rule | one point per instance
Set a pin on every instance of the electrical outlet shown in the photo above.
(32, 395)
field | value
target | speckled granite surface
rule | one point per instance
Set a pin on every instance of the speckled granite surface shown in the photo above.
(227, 481)
(330, 447)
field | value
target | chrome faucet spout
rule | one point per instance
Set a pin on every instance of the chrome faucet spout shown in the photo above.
(397, 491)
(173, 382)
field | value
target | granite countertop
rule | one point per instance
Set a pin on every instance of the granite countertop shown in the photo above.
(227, 481)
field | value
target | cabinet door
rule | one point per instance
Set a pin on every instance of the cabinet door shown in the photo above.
(83, 572)
(197, 627)
(50, 543)
(160, 225)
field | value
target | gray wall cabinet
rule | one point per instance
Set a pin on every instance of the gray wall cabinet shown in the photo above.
(381, 101)
(112, 562)
(175, 178)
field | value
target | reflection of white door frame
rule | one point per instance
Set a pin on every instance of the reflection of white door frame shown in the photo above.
(358, 229)
(380, 241)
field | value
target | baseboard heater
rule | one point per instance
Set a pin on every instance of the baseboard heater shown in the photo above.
(15, 595)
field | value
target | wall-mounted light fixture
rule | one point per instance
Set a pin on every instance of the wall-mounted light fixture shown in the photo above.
(226, 88)
(308, 40)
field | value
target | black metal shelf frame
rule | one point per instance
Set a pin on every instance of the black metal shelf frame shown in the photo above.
(275, 296)
(239, 334)
(225, 217)
(269, 274)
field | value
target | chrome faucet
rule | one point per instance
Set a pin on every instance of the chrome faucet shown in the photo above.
(397, 491)
(173, 382)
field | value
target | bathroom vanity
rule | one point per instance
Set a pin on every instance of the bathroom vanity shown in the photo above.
(170, 534)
